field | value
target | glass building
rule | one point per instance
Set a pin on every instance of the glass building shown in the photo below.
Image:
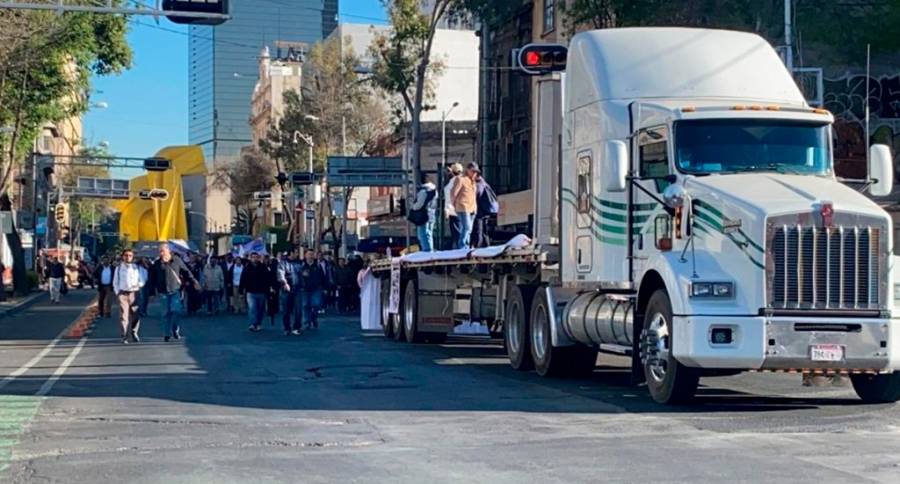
(223, 66)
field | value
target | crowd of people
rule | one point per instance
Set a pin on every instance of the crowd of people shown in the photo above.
(469, 204)
(294, 287)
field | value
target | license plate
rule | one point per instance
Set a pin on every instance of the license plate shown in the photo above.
(826, 352)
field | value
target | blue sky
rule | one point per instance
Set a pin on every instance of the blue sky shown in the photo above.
(147, 105)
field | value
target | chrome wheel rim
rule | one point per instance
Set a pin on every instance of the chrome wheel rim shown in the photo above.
(657, 345)
(538, 335)
(385, 314)
(514, 328)
(409, 313)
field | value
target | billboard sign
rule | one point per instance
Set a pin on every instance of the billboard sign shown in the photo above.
(363, 171)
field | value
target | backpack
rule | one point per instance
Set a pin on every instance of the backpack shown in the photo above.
(420, 216)
(487, 202)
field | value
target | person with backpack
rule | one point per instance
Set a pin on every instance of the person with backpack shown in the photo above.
(421, 214)
(487, 206)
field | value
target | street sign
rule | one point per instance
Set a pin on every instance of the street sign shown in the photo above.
(303, 178)
(40, 228)
(25, 220)
(310, 214)
(361, 171)
(92, 187)
(262, 195)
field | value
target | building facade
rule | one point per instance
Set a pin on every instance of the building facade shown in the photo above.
(223, 62)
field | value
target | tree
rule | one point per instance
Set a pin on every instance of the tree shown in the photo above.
(250, 173)
(403, 61)
(335, 108)
(46, 61)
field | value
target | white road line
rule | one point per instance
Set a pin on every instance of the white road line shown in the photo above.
(34, 361)
(61, 370)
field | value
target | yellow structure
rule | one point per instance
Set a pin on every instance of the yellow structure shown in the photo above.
(144, 220)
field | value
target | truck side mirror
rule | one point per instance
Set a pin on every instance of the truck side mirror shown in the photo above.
(616, 166)
(881, 170)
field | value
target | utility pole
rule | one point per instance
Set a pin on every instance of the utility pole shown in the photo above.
(788, 40)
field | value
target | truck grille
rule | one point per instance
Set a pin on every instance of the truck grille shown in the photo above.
(827, 268)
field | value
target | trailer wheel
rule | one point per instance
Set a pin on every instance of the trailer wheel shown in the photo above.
(410, 312)
(515, 327)
(669, 381)
(577, 360)
(387, 325)
(877, 388)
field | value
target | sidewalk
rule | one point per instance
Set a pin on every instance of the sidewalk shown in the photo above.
(15, 304)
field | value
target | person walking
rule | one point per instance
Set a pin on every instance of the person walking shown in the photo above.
(127, 284)
(345, 279)
(103, 274)
(487, 206)
(463, 195)
(238, 303)
(291, 302)
(453, 171)
(273, 297)
(255, 283)
(167, 276)
(421, 214)
(328, 269)
(55, 273)
(314, 282)
(146, 290)
(227, 265)
(213, 283)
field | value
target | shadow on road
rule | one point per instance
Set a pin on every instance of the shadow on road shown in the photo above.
(339, 368)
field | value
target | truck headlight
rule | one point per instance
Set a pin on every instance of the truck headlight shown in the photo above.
(718, 290)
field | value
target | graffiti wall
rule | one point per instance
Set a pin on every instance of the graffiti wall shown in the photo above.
(845, 97)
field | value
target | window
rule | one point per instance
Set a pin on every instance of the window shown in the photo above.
(583, 201)
(549, 15)
(654, 155)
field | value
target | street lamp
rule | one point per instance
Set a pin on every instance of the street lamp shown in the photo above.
(309, 141)
(444, 133)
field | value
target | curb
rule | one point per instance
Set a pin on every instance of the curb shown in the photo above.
(25, 303)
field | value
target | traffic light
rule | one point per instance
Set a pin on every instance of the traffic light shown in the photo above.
(157, 164)
(154, 194)
(196, 6)
(61, 212)
(541, 58)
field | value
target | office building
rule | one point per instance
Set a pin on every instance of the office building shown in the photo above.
(223, 65)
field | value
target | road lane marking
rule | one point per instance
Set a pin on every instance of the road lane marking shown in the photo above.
(34, 361)
(61, 370)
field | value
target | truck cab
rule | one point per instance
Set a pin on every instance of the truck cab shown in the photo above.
(697, 186)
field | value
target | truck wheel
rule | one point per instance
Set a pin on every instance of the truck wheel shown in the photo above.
(575, 360)
(410, 312)
(387, 325)
(515, 328)
(669, 381)
(877, 388)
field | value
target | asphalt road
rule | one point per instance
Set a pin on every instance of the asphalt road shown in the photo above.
(334, 405)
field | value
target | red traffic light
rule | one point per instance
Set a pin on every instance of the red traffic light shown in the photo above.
(541, 58)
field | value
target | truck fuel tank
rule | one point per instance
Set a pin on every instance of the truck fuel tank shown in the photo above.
(595, 318)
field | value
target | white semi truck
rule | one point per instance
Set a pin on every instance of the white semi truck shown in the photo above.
(687, 214)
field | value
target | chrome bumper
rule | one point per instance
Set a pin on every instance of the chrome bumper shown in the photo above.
(866, 343)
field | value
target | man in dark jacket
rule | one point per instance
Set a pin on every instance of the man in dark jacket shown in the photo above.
(167, 276)
(56, 274)
(256, 281)
(103, 274)
(314, 283)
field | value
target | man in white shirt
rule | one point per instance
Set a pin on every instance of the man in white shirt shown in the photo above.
(238, 302)
(127, 282)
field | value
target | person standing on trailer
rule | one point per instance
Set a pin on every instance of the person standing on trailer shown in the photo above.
(453, 171)
(487, 207)
(421, 214)
(127, 283)
(463, 195)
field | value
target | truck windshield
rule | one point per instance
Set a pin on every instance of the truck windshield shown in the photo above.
(750, 145)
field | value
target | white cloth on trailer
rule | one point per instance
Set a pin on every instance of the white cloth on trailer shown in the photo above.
(370, 300)
(517, 242)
